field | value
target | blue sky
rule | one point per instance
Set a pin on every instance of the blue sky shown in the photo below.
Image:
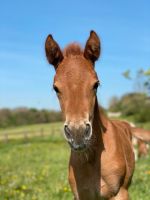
(26, 77)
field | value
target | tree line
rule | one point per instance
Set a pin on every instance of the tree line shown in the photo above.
(26, 116)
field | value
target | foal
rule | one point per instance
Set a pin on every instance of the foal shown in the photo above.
(143, 139)
(102, 160)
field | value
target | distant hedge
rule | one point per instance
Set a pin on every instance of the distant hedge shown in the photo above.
(24, 116)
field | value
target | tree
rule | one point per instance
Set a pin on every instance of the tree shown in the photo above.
(147, 82)
(141, 80)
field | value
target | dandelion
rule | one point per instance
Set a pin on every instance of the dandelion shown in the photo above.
(65, 189)
(39, 189)
(23, 187)
(147, 172)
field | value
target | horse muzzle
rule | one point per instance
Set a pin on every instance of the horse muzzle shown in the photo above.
(78, 136)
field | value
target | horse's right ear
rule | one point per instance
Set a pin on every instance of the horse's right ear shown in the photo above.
(53, 52)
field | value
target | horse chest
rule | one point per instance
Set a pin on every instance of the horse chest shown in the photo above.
(90, 184)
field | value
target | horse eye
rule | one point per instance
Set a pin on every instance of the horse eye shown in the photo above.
(96, 86)
(56, 89)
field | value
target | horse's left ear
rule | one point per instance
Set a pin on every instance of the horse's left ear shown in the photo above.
(92, 47)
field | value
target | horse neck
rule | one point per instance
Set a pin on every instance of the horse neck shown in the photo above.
(99, 122)
(96, 146)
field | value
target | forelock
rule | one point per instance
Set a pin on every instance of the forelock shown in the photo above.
(73, 49)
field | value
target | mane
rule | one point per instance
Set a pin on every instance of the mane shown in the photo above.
(73, 49)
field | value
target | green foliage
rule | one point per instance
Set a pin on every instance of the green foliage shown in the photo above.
(130, 103)
(23, 116)
(115, 104)
(144, 114)
(37, 170)
(134, 104)
(126, 74)
(147, 73)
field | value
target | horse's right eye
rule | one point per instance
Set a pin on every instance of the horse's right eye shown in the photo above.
(56, 88)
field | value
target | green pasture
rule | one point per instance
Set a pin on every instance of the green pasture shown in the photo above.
(37, 169)
(36, 127)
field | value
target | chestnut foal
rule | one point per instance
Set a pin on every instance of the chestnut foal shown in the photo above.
(102, 160)
(143, 140)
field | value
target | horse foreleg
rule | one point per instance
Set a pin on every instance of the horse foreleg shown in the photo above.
(122, 195)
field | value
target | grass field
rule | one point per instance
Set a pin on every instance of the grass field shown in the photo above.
(37, 169)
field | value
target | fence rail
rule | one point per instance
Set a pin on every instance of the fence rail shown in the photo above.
(27, 134)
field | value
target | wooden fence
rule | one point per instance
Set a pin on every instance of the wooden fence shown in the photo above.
(27, 134)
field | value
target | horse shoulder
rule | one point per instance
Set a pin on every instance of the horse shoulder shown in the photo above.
(125, 138)
(117, 155)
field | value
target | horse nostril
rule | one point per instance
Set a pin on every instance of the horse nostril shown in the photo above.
(67, 132)
(87, 132)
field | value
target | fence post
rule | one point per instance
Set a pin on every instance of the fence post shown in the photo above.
(6, 137)
(42, 132)
(25, 135)
(53, 133)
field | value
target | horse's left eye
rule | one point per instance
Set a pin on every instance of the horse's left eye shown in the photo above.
(96, 86)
